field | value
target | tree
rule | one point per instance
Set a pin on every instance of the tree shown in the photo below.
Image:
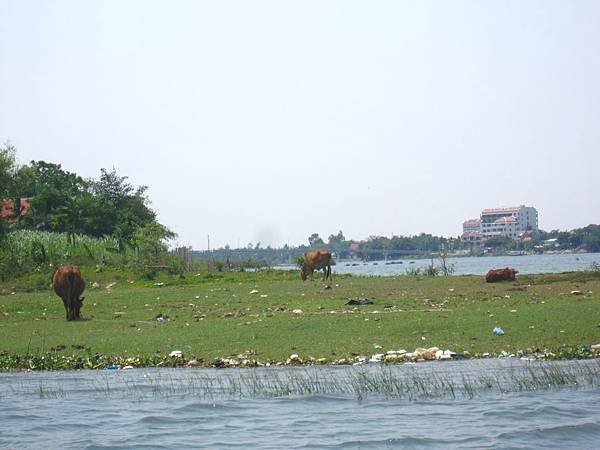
(53, 191)
(499, 242)
(314, 239)
(8, 169)
(114, 188)
(336, 238)
(150, 240)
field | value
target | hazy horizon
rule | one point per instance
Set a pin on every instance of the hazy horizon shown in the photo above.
(270, 121)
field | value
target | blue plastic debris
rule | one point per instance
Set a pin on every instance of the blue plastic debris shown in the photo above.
(113, 367)
(498, 331)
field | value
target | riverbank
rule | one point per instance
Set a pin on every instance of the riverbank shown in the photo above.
(270, 318)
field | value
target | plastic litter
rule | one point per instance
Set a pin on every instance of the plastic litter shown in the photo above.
(360, 301)
(498, 331)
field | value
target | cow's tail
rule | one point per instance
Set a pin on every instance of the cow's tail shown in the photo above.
(71, 277)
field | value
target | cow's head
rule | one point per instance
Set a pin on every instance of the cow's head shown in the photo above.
(303, 273)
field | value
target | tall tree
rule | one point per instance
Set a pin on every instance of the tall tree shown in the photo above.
(315, 239)
(7, 169)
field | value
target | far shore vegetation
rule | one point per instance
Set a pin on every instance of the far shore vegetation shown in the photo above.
(147, 304)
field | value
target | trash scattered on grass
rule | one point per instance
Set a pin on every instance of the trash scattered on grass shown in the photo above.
(359, 301)
(498, 331)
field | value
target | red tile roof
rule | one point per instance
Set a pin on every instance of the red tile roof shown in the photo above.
(501, 210)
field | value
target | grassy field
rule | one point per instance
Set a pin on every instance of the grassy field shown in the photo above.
(268, 316)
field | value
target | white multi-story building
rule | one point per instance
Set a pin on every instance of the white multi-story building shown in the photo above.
(506, 222)
(472, 225)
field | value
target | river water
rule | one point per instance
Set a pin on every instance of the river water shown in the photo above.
(477, 265)
(495, 403)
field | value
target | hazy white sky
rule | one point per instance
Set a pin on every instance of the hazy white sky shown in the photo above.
(270, 120)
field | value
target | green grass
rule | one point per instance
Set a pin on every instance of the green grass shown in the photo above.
(217, 316)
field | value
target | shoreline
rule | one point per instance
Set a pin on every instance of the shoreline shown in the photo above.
(58, 362)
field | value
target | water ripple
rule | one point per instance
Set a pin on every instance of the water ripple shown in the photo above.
(88, 418)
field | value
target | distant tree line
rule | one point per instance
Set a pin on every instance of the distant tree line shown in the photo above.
(374, 248)
(587, 238)
(395, 247)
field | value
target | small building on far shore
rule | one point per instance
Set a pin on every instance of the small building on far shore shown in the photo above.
(11, 210)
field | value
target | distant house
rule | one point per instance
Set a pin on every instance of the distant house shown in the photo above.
(471, 225)
(354, 248)
(472, 232)
(11, 210)
(472, 237)
(526, 236)
(513, 223)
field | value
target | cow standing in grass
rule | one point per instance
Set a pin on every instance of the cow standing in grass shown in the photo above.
(69, 285)
(505, 274)
(321, 259)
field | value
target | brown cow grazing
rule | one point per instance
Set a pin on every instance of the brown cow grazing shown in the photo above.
(505, 274)
(69, 285)
(321, 259)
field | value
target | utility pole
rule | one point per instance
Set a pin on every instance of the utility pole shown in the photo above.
(208, 249)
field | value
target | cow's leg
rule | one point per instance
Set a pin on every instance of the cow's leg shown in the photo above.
(76, 307)
(72, 308)
(328, 273)
(66, 305)
(79, 305)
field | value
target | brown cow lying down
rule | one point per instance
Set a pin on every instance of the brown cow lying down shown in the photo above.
(505, 274)
(69, 285)
(321, 259)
